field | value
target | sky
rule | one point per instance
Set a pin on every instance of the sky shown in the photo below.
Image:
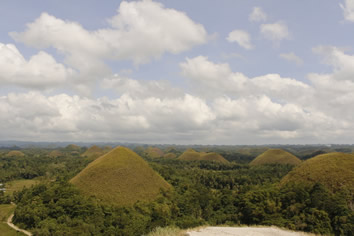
(177, 72)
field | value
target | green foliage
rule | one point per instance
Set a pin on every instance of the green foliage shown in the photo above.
(204, 193)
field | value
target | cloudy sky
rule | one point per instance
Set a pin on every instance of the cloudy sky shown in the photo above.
(184, 72)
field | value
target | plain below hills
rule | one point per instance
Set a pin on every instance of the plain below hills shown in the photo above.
(120, 177)
(275, 156)
(192, 155)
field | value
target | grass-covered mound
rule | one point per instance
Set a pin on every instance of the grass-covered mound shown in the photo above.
(333, 170)
(170, 155)
(15, 154)
(73, 147)
(153, 152)
(93, 152)
(192, 155)
(120, 177)
(56, 153)
(276, 156)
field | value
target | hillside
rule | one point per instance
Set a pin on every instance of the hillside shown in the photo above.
(73, 147)
(93, 152)
(276, 156)
(56, 153)
(120, 177)
(192, 155)
(334, 170)
(153, 152)
(15, 154)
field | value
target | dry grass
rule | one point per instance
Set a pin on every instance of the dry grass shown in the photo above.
(276, 156)
(18, 185)
(154, 152)
(5, 211)
(334, 170)
(93, 152)
(191, 155)
(15, 154)
(168, 231)
(120, 177)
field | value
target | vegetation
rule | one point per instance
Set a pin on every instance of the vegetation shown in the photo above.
(120, 177)
(191, 155)
(15, 154)
(333, 170)
(153, 152)
(276, 156)
(203, 193)
(5, 211)
(93, 152)
(18, 185)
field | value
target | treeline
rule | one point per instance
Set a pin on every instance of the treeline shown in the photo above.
(204, 193)
(37, 165)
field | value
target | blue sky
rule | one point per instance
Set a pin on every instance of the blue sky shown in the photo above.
(247, 72)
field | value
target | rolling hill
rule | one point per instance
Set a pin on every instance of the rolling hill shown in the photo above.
(276, 156)
(93, 152)
(153, 152)
(56, 153)
(192, 155)
(334, 170)
(15, 154)
(120, 177)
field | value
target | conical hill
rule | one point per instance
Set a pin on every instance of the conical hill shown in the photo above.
(120, 177)
(276, 156)
(334, 170)
(93, 152)
(15, 153)
(192, 155)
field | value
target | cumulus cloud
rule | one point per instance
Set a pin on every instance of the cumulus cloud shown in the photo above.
(136, 25)
(212, 79)
(292, 57)
(39, 72)
(275, 32)
(241, 37)
(257, 15)
(348, 10)
(75, 118)
(141, 89)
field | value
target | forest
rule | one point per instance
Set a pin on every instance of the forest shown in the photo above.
(204, 193)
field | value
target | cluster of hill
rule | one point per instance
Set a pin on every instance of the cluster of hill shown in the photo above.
(187, 190)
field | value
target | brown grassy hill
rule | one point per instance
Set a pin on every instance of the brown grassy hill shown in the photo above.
(56, 153)
(120, 177)
(334, 170)
(93, 152)
(192, 155)
(276, 156)
(15, 154)
(170, 155)
(73, 147)
(153, 152)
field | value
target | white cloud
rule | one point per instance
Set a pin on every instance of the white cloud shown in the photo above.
(136, 25)
(141, 89)
(40, 71)
(211, 80)
(73, 118)
(275, 32)
(291, 57)
(241, 37)
(348, 10)
(257, 15)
